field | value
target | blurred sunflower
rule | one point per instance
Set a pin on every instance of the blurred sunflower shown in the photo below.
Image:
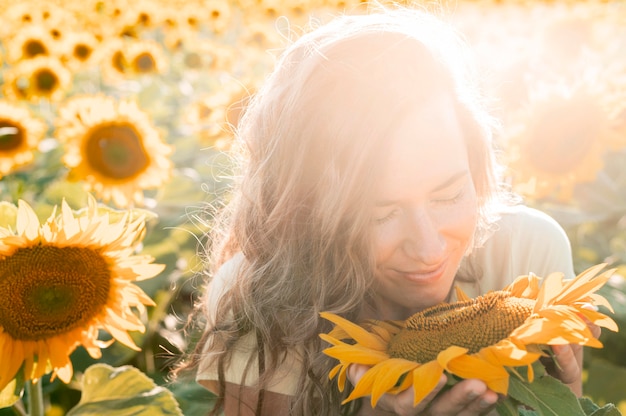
(34, 13)
(145, 57)
(559, 141)
(218, 15)
(20, 133)
(42, 77)
(29, 42)
(112, 59)
(79, 49)
(206, 54)
(113, 147)
(214, 117)
(472, 338)
(68, 278)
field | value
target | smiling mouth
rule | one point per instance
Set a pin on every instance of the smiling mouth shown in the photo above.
(425, 276)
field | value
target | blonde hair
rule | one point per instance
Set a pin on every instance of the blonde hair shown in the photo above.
(312, 141)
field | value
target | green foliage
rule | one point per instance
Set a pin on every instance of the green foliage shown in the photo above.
(122, 391)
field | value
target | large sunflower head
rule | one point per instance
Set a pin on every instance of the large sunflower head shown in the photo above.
(560, 141)
(20, 133)
(480, 338)
(67, 278)
(40, 78)
(113, 147)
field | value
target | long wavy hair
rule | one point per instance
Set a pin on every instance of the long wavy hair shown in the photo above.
(311, 144)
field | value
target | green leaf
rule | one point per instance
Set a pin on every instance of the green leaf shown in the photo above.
(194, 400)
(607, 410)
(546, 395)
(122, 391)
(13, 391)
(507, 407)
(588, 405)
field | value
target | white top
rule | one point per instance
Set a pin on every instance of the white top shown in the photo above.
(525, 241)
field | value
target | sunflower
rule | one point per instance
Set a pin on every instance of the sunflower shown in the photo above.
(20, 133)
(23, 15)
(42, 77)
(145, 57)
(68, 278)
(112, 59)
(29, 42)
(113, 147)
(473, 338)
(215, 116)
(79, 49)
(560, 141)
(218, 15)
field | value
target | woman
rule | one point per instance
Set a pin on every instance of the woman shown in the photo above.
(369, 189)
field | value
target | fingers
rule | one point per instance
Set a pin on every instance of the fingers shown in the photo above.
(567, 366)
(468, 397)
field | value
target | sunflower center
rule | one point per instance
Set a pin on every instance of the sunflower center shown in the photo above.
(33, 48)
(116, 151)
(145, 63)
(49, 290)
(473, 324)
(46, 80)
(11, 136)
(82, 52)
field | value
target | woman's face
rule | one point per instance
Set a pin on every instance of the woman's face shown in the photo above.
(424, 213)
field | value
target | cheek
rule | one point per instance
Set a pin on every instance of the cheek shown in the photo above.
(461, 223)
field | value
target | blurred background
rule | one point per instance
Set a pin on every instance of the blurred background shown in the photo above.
(179, 73)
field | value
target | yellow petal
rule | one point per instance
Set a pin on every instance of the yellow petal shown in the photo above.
(460, 295)
(27, 221)
(551, 287)
(390, 372)
(506, 353)
(355, 354)
(599, 319)
(425, 379)
(359, 334)
(583, 285)
(449, 354)
(472, 366)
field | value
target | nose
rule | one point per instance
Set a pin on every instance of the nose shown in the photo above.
(423, 240)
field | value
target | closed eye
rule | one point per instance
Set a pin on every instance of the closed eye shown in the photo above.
(387, 217)
(452, 199)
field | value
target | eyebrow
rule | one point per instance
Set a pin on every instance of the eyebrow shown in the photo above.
(452, 179)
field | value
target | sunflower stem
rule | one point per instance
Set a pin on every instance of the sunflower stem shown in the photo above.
(35, 397)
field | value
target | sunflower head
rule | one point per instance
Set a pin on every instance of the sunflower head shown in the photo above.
(20, 133)
(42, 77)
(68, 278)
(561, 142)
(482, 338)
(145, 57)
(473, 324)
(113, 147)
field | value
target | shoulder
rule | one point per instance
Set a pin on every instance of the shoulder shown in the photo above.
(524, 240)
(221, 282)
(527, 222)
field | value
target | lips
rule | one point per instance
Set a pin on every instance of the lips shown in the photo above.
(425, 276)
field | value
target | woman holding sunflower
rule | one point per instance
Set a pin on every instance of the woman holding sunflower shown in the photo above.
(369, 191)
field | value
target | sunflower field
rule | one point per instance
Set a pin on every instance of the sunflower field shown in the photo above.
(116, 120)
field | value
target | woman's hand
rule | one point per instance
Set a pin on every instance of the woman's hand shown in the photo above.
(466, 398)
(568, 363)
